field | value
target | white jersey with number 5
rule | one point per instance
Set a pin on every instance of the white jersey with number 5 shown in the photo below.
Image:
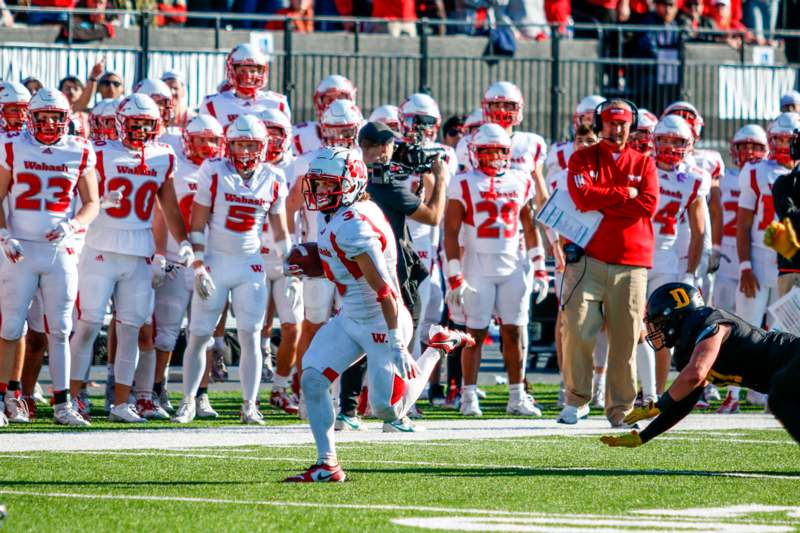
(44, 181)
(127, 228)
(678, 189)
(755, 183)
(238, 207)
(350, 232)
(491, 224)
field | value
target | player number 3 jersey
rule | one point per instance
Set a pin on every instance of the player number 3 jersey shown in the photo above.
(755, 183)
(491, 222)
(238, 207)
(44, 182)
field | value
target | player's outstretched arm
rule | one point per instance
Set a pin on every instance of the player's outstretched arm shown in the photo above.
(697, 231)
(90, 198)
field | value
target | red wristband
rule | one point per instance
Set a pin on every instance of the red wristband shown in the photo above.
(384, 292)
(455, 281)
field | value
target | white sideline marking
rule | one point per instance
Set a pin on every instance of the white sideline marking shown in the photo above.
(652, 471)
(730, 511)
(437, 430)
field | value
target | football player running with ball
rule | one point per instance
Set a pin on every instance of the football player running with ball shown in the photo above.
(358, 254)
(712, 345)
(235, 196)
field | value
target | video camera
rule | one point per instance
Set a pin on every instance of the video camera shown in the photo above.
(409, 157)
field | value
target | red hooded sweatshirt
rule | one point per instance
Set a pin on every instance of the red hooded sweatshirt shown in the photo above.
(597, 182)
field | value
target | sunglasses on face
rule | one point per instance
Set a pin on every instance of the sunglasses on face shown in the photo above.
(454, 132)
(108, 83)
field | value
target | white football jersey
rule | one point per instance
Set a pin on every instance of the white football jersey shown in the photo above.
(350, 232)
(306, 138)
(678, 189)
(755, 184)
(491, 227)
(185, 182)
(173, 136)
(44, 180)
(226, 106)
(729, 189)
(558, 157)
(238, 208)
(268, 249)
(127, 229)
(710, 161)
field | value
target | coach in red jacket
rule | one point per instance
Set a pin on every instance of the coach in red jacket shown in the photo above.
(608, 284)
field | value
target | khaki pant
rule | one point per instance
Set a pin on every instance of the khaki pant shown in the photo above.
(787, 281)
(596, 293)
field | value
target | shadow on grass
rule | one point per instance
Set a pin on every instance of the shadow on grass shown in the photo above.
(563, 472)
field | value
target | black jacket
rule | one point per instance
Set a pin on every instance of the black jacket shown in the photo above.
(786, 197)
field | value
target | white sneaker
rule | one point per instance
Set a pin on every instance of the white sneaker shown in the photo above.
(66, 415)
(481, 393)
(401, 425)
(38, 395)
(250, 414)
(414, 413)
(571, 414)
(151, 409)
(125, 412)
(711, 393)
(3, 419)
(203, 407)
(186, 412)
(523, 406)
(470, 405)
(599, 392)
(753, 398)
(16, 410)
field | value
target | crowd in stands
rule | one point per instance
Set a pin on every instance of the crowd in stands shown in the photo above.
(736, 20)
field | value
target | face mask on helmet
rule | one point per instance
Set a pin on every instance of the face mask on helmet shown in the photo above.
(324, 100)
(202, 146)
(14, 116)
(249, 78)
(246, 155)
(343, 136)
(322, 192)
(656, 337)
(779, 148)
(417, 128)
(139, 131)
(492, 160)
(504, 113)
(276, 143)
(165, 106)
(48, 126)
(747, 152)
(671, 150)
(689, 117)
(641, 141)
(104, 128)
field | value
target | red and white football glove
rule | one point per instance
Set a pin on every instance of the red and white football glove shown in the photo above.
(457, 286)
(11, 247)
(541, 280)
(111, 199)
(63, 231)
(203, 284)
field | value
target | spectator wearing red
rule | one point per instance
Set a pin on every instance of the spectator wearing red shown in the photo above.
(722, 19)
(401, 16)
(56, 17)
(559, 12)
(607, 284)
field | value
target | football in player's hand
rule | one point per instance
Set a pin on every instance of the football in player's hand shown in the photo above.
(304, 260)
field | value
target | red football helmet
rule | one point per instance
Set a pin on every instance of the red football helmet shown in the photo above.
(48, 130)
(203, 138)
(247, 69)
(336, 177)
(749, 145)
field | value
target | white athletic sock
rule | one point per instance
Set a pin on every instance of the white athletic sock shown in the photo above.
(81, 346)
(599, 383)
(515, 391)
(317, 396)
(600, 353)
(280, 382)
(266, 346)
(734, 392)
(469, 390)
(145, 375)
(59, 358)
(414, 387)
(219, 343)
(646, 370)
(127, 355)
(194, 364)
(250, 362)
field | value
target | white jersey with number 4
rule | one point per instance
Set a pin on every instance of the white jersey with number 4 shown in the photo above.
(350, 232)
(44, 181)
(238, 207)
(755, 183)
(491, 226)
(227, 107)
(127, 228)
(678, 188)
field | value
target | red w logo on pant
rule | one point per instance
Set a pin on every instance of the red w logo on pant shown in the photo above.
(379, 338)
(257, 268)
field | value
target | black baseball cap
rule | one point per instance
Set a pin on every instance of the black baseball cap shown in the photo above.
(377, 133)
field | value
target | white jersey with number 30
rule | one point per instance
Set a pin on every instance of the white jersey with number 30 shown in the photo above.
(755, 183)
(127, 228)
(238, 207)
(43, 182)
(491, 224)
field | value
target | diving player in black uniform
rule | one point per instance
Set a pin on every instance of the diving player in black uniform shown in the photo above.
(712, 345)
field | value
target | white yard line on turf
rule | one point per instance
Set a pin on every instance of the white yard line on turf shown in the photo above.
(534, 468)
(436, 430)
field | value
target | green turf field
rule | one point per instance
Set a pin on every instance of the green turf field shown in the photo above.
(744, 480)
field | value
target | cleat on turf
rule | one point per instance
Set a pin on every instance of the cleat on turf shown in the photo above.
(125, 412)
(281, 399)
(730, 405)
(571, 414)
(250, 414)
(448, 340)
(150, 410)
(31, 403)
(524, 406)
(66, 414)
(319, 473)
(470, 406)
(16, 410)
(186, 412)
(203, 407)
(348, 423)
(711, 393)
(401, 425)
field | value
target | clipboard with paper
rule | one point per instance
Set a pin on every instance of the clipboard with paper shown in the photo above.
(561, 215)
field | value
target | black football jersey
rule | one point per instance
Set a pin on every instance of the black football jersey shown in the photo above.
(749, 357)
